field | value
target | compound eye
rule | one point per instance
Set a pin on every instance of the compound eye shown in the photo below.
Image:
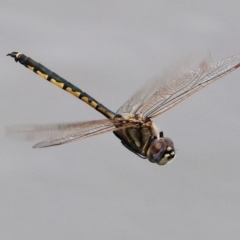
(156, 150)
(161, 151)
(156, 146)
(169, 142)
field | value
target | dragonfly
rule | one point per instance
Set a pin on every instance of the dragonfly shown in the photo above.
(132, 122)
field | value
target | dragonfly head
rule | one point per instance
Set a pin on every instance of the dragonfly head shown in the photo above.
(161, 150)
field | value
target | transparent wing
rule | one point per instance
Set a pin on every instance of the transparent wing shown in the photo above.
(182, 86)
(151, 87)
(64, 133)
(175, 85)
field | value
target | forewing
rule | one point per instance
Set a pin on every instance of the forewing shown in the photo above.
(182, 86)
(64, 133)
(152, 86)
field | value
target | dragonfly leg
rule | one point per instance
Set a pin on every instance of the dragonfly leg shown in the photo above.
(161, 135)
(125, 144)
(148, 143)
(128, 146)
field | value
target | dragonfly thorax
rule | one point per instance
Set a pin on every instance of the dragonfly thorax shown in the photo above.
(142, 138)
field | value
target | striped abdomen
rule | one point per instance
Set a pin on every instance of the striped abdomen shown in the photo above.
(61, 82)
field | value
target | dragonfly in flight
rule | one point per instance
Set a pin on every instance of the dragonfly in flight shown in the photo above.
(132, 123)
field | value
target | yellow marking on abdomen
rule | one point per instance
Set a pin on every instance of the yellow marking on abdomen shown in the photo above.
(30, 67)
(106, 113)
(61, 85)
(43, 75)
(77, 94)
(85, 99)
(92, 103)
(109, 115)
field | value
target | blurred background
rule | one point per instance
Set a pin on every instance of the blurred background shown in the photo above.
(95, 188)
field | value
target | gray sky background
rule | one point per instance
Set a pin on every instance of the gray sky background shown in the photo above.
(95, 188)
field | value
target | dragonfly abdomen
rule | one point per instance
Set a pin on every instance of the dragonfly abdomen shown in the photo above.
(60, 82)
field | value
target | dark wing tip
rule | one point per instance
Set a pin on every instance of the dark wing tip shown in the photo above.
(238, 65)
